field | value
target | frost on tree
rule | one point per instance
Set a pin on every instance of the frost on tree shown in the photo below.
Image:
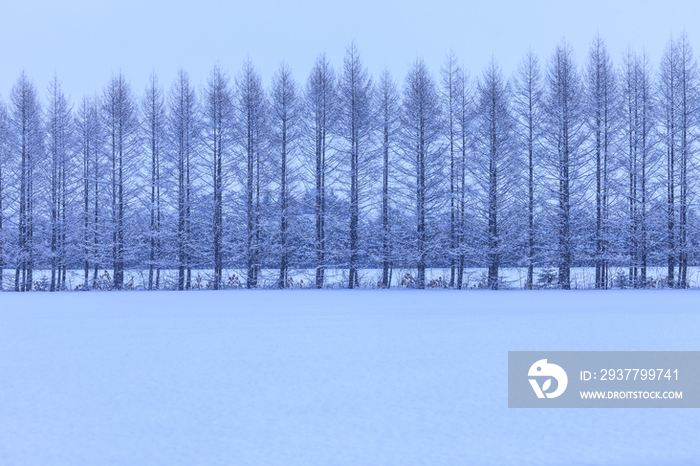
(321, 116)
(421, 165)
(601, 108)
(527, 103)
(26, 147)
(355, 127)
(217, 128)
(352, 178)
(285, 131)
(184, 138)
(564, 136)
(494, 167)
(251, 133)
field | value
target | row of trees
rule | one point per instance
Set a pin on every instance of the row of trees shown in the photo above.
(558, 166)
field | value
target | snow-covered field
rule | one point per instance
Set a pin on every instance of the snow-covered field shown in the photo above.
(331, 377)
(474, 278)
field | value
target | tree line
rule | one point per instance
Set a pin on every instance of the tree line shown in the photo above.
(557, 166)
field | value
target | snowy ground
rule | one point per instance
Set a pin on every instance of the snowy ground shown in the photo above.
(333, 377)
(474, 278)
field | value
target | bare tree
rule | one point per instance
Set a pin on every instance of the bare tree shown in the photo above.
(250, 123)
(639, 160)
(59, 128)
(388, 101)
(564, 137)
(688, 100)
(527, 102)
(421, 160)
(494, 167)
(4, 159)
(154, 119)
(27, 148)
(669, 104)
(217, 126)
(449, 90)
(601, 107)
(184, 128)
(465, 119)
(90, 150)
(122, 130)
(355, 118)
(285, 127)
(320, 103)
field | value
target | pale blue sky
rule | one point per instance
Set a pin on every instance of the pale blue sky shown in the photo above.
(86, 41)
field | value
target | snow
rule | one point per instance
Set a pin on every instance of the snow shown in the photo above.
(330, 377)
(511, 277)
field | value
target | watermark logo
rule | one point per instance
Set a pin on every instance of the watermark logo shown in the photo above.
(604, 379)
(543, 369)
